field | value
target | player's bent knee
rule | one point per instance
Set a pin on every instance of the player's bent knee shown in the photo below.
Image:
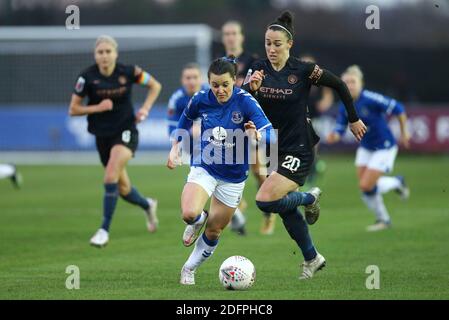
(213, 233)
(267, 206)
(112, 174)
(124, 189)
(366, 187)
(263, 196)
(189, 215)
(110, 178)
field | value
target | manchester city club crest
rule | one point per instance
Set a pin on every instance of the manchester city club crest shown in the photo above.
(292, 79)
(122, 80)
(237, 117)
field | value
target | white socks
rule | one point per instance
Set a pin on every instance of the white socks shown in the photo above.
(376, 204)
(6, 171)
(202, 251)
(238, 220)
(385, 184)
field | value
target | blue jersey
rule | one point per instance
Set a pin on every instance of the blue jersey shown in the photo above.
(373, 109)
(176, 105)
(223, 153)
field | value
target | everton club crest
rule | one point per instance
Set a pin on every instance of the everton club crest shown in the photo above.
(237, 117)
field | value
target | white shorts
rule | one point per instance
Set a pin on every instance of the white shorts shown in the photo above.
(380, 160)
(228, 193)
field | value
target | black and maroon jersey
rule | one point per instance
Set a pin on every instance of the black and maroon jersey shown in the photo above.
(283, 97)
(117, 87)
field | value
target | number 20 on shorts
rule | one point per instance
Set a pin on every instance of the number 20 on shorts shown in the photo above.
(291, 163)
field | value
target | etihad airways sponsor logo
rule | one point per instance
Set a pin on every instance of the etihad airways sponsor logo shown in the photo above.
(276, 91)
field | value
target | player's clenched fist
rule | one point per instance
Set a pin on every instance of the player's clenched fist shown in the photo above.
(105, 105)
(358, 129)
(256, 80)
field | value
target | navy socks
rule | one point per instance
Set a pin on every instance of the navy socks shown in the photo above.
(134, 197)
(289, 202)
(109, 204)
(294, 223)
(299, 232)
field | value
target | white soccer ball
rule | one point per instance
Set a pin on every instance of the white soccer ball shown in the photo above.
(219, 133)
(237, 273)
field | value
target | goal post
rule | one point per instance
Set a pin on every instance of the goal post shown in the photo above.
(36, 58)
(39, 67)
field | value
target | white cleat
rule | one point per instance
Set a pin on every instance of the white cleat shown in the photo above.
(192, 231)
(152, 220)
(187, 277)
(100, 238)
(403, 190)
(312, 211)
(17, 178)
(378, 226)
(312, 266)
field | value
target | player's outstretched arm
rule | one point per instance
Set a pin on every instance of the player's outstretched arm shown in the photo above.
(77, 108)
(174, 158)
(356, 125)
(393, 107)
(154, 89)
(405, 135)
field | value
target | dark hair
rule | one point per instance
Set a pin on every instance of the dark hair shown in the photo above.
(286, 21)
(223, 65)
(191, 65)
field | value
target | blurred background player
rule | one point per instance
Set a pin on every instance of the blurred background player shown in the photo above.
(233, 41)
(223, 108)
(191, 82)
(9, 171)
(378, 149)
(320, 101)
(111, 118)
(281, 84)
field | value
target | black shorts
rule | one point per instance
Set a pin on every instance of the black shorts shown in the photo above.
(295, 166)
(128, 138)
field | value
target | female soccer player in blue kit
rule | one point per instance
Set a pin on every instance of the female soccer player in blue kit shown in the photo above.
(378, 148)
(191, 83)
(225, 111)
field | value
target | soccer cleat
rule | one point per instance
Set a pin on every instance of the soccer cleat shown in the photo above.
(312, 266)
(16, 178)
(192, 231)
(152, 221)
(100, 238)
(239, 231)
(237, 226)
(187, 277)
(238, 222)
(403, 190)
(379, 226)
(268, 223)
(312, 211)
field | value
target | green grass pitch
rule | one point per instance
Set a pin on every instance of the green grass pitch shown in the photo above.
(47, 225)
